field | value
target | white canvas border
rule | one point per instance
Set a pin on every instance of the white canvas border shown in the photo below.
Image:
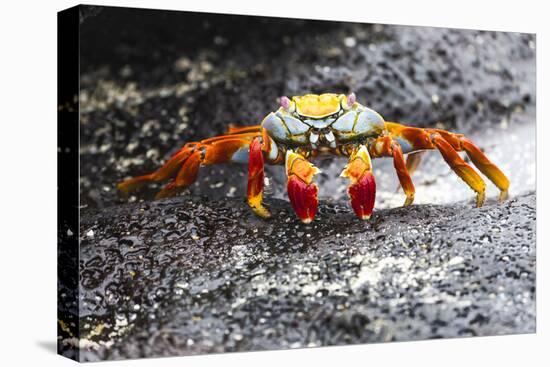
(28, 181)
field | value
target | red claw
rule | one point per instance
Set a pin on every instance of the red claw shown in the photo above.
(362, 194)
(303, 198)
(362, 190)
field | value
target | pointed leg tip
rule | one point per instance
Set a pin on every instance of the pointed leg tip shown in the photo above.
(362, 213)
(408, 201)
(261, 211)
(480, 199)
(123, 188)
(503, 196)
(306, 220)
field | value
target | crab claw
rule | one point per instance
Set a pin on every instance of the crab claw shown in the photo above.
(362, 190)
(301, 191)
(303, 198)
(362, 195)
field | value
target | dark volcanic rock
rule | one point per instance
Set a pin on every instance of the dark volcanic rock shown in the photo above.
(190, 275)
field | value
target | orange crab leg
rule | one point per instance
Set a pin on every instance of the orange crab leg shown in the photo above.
(255, 189)
(301, 191)
(412, 162)
(165, 172)
(385, 146)
(402, 173)
(461, 168)
(362, 190)
(187, 174)
(480, 160)
(220, 149)
(447, 144)
(487, 167)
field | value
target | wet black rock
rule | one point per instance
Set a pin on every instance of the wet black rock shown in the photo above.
(189, 275)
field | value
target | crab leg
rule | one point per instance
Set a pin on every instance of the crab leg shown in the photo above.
(480, 160)
(255, 191)
(301, 191)
(388, 147)
(187, 174)
(220, 149)
(402, 173)
(411, 164)
(486, 167)
(413, 161)
(163, 173)
(461, 168)
(448, 144)
(362, 190)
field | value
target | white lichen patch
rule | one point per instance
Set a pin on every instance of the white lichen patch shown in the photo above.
(371, 270)
(457, 260)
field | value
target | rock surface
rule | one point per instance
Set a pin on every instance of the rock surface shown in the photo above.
(189, 275)
(199, 273)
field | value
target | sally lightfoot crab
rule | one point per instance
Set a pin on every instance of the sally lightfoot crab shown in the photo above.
(307, 126)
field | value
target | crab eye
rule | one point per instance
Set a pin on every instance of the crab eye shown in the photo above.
(287, 104)
(284, 102)
(351, 99)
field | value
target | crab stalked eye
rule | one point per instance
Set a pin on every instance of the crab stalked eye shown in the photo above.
(351, 99)
(284, 102)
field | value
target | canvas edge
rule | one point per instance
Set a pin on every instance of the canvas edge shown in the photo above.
(68, 330)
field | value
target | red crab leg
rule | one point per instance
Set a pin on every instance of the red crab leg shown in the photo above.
(256, 179)
(301, 191)
(362, 190)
